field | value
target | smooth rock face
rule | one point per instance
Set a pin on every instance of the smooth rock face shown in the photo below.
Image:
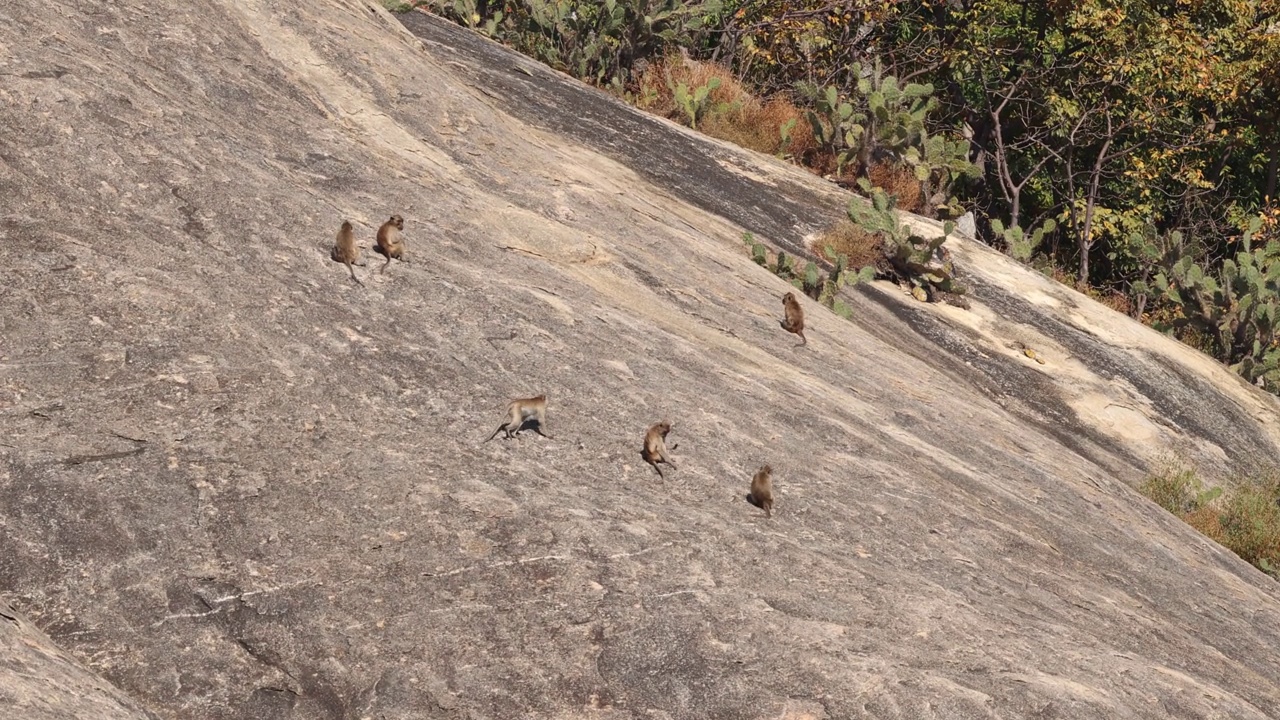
(236, 484)
(40, 681)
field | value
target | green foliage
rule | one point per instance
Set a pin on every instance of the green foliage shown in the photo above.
(878, 116)
(1177, 490)
(594, 41)
(1022, 245)
(1237, 305)
(397, 6)
(759, 254)
(884, 118)
(784, 266)
(837, 127)
(939, 163)
(812, 280)
(919, 262)
(695, 102)
(1250, 522)
(785, 131)
(1244, 515)
(898, 114)
(463, 12)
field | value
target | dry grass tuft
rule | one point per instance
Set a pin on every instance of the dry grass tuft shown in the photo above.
(862, 248)
(735, 114)
(900, 182)
(1205, 520)
(1117, 301)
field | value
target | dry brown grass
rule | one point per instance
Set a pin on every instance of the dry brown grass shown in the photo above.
(900, 182)
(1115, 300)
(1206, 521)
(759, 127)
(1065, 275)
(846, 238)
(735, 115)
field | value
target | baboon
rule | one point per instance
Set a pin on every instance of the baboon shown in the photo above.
(794, 320)
(761, 494)
(346, 251)
(519, 412)
(655, 447)
(389, 241)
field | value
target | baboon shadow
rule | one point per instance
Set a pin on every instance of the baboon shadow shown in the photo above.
(531, 424)
(331, 252)
(528, 424)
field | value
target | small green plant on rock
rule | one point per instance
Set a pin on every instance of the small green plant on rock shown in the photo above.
(811, 281)
(759, 254)
(1022, 245)
(694, 102)
(782, 266)
(840, 277)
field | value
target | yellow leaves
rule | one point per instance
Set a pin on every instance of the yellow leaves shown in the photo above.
(1270, 218)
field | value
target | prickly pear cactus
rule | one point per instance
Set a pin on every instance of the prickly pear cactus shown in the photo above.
(919, 262)
(1238, 306)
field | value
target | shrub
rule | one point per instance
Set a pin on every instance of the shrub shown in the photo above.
(730, 111)
(1250, 521)
(1172, 489)
(1237, 306)
(882, 118)
(920, 263)
(1244, 519)
(598, 42)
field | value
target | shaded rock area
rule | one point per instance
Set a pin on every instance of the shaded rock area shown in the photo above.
(235, 484)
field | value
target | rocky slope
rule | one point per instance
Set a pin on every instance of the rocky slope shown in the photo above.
(236, 484)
